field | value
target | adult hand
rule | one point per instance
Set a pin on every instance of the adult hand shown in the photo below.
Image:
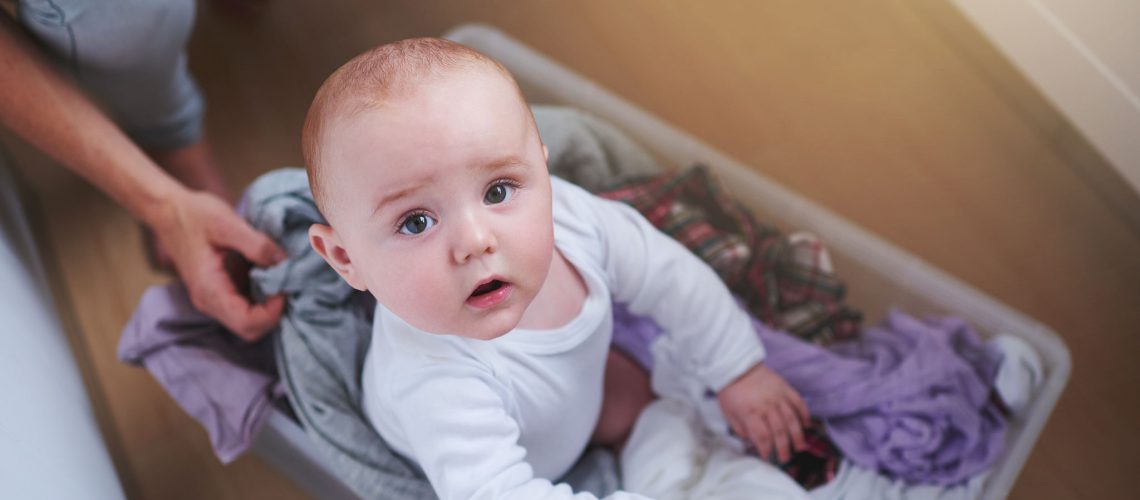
(762, 408)
(199, 230)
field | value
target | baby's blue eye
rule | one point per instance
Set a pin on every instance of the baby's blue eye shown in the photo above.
(498, 193)
(416, 224)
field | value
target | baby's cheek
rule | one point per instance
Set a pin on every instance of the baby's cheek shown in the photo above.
(423, 294)
(396, 290)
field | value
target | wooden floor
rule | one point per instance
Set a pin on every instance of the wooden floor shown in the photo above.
(893, 113)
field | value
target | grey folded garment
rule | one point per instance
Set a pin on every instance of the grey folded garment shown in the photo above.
(590, 152)
(322, 342)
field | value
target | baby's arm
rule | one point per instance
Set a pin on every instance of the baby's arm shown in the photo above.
(656, 276)
(465, 440)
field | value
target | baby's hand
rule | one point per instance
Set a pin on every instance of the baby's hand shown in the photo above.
(762, 408)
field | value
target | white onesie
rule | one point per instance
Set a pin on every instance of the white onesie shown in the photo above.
(499, 418)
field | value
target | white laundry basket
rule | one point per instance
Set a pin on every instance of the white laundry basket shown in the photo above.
(879, 275)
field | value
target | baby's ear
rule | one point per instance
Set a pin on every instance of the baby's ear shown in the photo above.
(325, 241)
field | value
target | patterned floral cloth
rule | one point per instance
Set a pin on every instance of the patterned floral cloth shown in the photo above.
(786, 281)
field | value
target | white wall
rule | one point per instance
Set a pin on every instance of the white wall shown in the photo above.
(1084, 56)
(50, 446)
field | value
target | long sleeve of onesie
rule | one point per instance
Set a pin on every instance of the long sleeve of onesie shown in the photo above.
(473, 453)
(658, 277)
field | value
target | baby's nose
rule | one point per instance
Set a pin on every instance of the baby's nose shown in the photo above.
(475, 240)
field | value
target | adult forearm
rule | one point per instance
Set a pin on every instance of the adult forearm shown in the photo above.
(196, 228)
(38, 105)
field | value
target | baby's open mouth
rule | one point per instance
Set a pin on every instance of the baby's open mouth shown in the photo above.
(486, 288)
(490, 294)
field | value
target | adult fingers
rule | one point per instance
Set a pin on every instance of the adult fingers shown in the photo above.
(233, 232)
(213, 294)
(250, 321)
(266, 316)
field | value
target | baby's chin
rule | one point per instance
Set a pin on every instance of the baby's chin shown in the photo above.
(485, 328)
(489, 334)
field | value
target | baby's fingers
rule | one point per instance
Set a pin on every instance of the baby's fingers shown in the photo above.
(780, 436)
(761, 436)
(800, 407)
(794, 428)
(736, 427)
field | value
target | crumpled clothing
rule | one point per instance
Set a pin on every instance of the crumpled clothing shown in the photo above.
(225, 383)
(858, 483)
(813, 465)
(910, 398)
(671, 456)
(321, 343)
(786, 281)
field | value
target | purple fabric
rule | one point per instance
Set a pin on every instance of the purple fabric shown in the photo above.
(910, 398)
(226, 384)
(634, 334)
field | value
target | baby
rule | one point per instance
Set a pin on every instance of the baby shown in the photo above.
(495, 281)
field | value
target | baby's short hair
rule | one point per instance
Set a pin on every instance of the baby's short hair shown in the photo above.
(372, 78)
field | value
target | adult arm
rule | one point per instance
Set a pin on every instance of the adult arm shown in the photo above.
(196, 227)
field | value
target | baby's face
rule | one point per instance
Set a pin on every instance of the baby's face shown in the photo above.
(443, 204)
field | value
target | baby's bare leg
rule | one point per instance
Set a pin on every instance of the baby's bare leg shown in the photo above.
(626, 393)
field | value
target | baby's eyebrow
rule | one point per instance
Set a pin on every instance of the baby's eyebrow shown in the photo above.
(506, 161)
(497, 164)
(396, 196)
